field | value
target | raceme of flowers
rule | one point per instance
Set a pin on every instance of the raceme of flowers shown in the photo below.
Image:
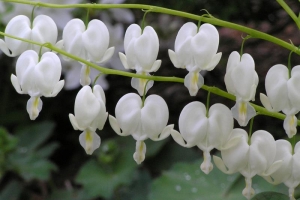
(38, 72)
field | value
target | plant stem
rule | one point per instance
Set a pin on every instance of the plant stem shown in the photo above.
(205, 18)
(290, 12)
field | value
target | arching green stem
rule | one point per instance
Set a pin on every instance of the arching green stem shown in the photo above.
(207, 103)
(242, 46)
(207, 18)
(250, 130)
(104, 70)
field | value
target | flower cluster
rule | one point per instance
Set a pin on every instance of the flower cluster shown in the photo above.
(38, 72)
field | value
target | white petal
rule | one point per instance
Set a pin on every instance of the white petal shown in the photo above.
(108, 54)
(204, 45)
(146, 48)
(139, 84)
(133, 32)
(128, 113)
(18, 26)
(154, 116)
(90, 141)
(206, 165)
(266, 102)
(124, 61)
(140, 151)
(87, 107)
(85, 75)
(72, 38)
(15, 83)
(233, 62)
(47, 73)
(73, 122)
(34, 106)
(57, 88)
(214, 61)
(193, 81)
(289, 125)
(44, 30)
(262, 152)
(193, 123)
(179, 139)
(243, 112)
(276, 86)
(96, 39)
(220, 125)
(236, 157)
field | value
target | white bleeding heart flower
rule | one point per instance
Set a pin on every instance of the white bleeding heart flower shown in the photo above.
(90, 43)
(283, 95)
(141, 49)
(196, 50)
(256, 156)
(289, 171)
(241, 80)
(37, 77)
(43, 29)
(141, 120)
(207, 131)
(90, 115)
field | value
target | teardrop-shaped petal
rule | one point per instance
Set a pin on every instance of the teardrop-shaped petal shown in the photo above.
(219, 116)
(262, 153)
(44, 30)
(154, 116)
(128, 113)
(100, 120)
(193, 123)
(284, 153)
(276, 86)
(244, 77)
(25, 68)
(96, 39)
(233, 62)
(47, 73)
(236, 157)
(87, 107)
(293, 85)
(204, 45)
(18, 26)
(72, 37)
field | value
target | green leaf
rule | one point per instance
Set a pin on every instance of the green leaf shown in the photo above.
(68, 195)
(47, 150)
(32, 136)
(187, 181)
(101, 179)
(270, 196)
(11, 191)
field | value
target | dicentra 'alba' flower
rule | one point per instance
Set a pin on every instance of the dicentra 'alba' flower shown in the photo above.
(283, 95)
(90, 43)
(141, 120)
(90, 115)
(37, 77)
(205, 130)
(241, 80)
(42, 30)
(141, 49)
(196, 50)
(249, 157)
(289, 171)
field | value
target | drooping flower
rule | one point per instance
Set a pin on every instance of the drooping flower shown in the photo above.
(141, 49)
(283, 95)
(289, 171)
(241, 80)
(196, 50)
(256, 156)
(141, 120)
(37, 77)
(206, 131)
(42, 30)
(90, 43)
(60, 16)
(90, 115)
